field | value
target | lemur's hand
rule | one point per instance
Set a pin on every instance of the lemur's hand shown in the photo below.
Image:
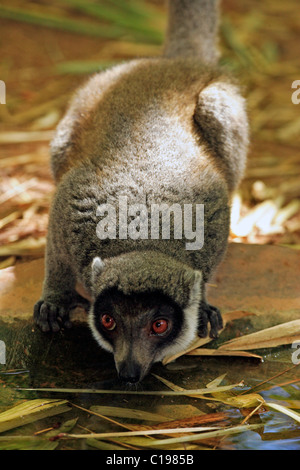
(51, 317)
(212, 315)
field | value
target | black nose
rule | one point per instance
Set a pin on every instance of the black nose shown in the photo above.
(129, 379)
(130, 373)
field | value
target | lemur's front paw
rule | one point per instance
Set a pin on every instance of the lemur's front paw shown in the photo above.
(213, 316)
(51, 317)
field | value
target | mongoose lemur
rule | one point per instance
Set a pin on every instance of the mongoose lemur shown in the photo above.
(168, 133)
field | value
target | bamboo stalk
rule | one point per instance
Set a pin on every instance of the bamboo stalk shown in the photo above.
(200, 435)
(200, 391)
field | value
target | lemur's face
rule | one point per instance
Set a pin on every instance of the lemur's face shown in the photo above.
(138, 329)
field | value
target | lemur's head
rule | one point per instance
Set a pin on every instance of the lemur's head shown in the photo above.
(143, 312)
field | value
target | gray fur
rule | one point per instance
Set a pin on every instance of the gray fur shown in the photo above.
(192, 30)
(160, 130)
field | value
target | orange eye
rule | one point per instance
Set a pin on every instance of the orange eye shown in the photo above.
(108, 322)
(159, 327)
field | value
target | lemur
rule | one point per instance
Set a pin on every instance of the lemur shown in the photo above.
(168, 130)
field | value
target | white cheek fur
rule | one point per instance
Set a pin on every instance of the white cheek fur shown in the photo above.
(190, 323)
(96, 334)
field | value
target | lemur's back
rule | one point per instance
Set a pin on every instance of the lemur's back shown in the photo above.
(143, 109)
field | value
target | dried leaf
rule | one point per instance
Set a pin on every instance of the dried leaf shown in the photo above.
(222, 394)
(178, 411)
(106, 418)
(168, 383)
(295, 404)
(9, 218)
(30, 411)
(196, 344)
(148, 432)
(192, 421)
(28, 246)
(283, 409)
(7, 262)
(102, 445)
(67, 426)
(18, 137)
(285, 333)
(23, 159)
(128, 413)
(228, 316)
(260, 216)
(30, 443)
(137, 443)
(222, 352)
(217, 381)
(36, 443)
(18, 189)
(198, 393)
(287, 212)
(141, 442)
(250, 400)
(198, 436)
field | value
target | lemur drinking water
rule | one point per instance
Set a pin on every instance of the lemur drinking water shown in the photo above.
(168, 131)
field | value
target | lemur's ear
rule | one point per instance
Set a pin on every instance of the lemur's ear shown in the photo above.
(97, 266)
(222, 119)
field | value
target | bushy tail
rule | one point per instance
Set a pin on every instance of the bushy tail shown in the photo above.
(192, 29)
